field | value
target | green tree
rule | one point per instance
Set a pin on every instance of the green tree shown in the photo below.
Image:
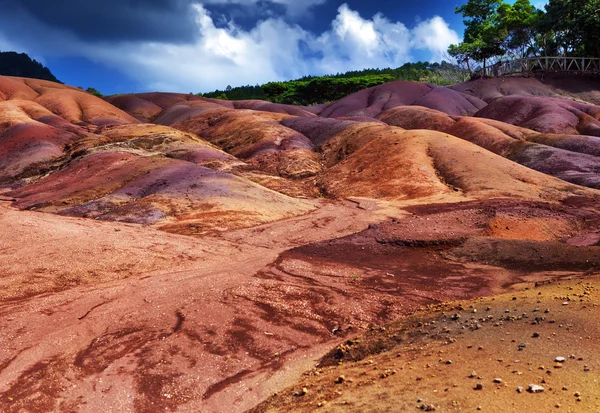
(521, 22)
(577, 25)
(94, 92)
(484, 35)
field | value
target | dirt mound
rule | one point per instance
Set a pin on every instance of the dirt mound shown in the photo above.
(32, 140)
(176, 195)
(546, 115)
(318, 130)
(258, 138)
(584, 88)
(426, 164)
(571, 158)
(371, 102)
(142, 109)
(115, 307)
(263, 106)
(71, 104)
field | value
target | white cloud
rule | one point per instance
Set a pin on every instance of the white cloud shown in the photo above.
(434, 35)
(273, 50)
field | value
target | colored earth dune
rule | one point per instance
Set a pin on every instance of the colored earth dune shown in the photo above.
(167, 252)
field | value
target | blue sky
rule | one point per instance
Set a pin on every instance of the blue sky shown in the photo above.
(120, 46)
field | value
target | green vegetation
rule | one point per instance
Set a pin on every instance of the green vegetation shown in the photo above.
(20, 64)
(495, 30)
(311, 90)
(94, 92)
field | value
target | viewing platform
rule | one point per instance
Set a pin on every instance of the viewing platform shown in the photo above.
(573, 65)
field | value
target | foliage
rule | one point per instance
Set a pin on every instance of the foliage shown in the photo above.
(94, 92)
(311, 90)
(577, 25)
(484, 34)
(520, 23)
(320, 89)
(495, 29)
(239, 93)
(20, 64)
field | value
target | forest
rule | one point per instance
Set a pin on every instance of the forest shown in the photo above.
(310, 90)
(20, 64)
(496, 30)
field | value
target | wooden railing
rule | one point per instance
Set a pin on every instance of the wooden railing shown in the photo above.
(576, 65)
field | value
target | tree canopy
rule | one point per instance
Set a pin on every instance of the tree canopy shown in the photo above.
(495, 29)
(20, 64)
(311, 90)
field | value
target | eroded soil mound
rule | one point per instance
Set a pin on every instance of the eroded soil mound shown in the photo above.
(199, 255)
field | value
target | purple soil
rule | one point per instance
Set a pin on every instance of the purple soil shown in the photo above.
(372, 102)
(263, 106)
(546, 115)
(29, 149)
(317, 129)
(141, 109)
(586, 88)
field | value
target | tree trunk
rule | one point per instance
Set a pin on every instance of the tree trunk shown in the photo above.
(484, 66)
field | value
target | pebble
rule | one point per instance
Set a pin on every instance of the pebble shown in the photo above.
(340, 380)
(302, 392)
(519, 389)
(560, 359)
(534, 388)
(498, 380)
(479, 386)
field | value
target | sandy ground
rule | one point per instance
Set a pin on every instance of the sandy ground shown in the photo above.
(467, 356)
(112, 300)
(128, 318)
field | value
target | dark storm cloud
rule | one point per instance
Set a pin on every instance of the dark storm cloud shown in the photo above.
(113, 20)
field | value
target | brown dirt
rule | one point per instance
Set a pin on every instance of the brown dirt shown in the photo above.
(233, 275)
(435, 359)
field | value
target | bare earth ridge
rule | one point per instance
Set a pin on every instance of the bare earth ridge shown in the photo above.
(166, 252)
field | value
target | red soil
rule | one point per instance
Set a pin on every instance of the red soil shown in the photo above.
(208, 273)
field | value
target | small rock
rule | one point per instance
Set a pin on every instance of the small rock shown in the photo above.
(577, 394)
(519, 389)
(302, 392)
(498, 380)
(534, 388)
(448, 361)
(479, 386)
(535, 335)
(560, 359)
(340, 380)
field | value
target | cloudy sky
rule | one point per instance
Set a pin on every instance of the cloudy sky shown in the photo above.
(185, 46)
